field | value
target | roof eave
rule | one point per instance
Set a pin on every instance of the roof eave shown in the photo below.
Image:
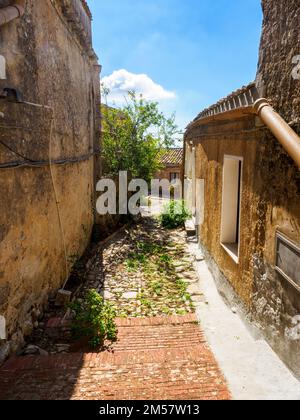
(224, 116)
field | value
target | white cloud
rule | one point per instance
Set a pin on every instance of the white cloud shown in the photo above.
(122, 81)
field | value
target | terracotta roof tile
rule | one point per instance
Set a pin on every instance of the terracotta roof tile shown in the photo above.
(172, 157)
(246, 96)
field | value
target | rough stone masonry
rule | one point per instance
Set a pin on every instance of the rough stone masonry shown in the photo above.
(49, 61)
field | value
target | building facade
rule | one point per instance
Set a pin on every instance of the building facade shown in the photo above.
(49, 153)
(249, 188)
(171, 165)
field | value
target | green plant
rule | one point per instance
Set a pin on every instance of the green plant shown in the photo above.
(188, 297)
(134, 261)
(156, 287)
(146, 302)
(182, 286)
(94, 319)
(131, 264)
(135, 135)
(174, 214)
(165, 259)
(149, 248)
(166, 311)
(180, 311)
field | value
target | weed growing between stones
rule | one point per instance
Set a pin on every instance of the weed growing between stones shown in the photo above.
(163, 291)
(94, 319)
(174, 214)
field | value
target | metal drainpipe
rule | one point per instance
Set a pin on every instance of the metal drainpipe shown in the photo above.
(288, 138)
(9, 13)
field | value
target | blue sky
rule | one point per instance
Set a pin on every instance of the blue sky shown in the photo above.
(190, 53)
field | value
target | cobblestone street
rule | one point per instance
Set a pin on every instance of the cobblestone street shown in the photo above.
(145, 271)
(161, 352)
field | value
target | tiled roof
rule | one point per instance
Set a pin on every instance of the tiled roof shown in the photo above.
(241, 98)
(172, 157)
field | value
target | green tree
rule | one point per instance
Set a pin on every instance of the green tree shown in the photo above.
(134, 136)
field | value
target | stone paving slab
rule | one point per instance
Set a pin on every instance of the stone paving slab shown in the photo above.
(155, 358)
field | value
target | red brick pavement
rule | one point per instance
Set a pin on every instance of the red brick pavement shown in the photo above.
(154, 358)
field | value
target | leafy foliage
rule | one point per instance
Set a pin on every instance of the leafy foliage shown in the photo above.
(94, 319)
(134, 137)
(174, 215)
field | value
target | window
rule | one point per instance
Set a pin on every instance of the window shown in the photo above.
(2, 68)
(288, 260)
(174, 176)
(231, 205)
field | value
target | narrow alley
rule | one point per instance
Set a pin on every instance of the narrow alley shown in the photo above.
(177, 338)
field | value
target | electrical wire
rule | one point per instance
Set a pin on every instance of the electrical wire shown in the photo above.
(57, 203)
(15, 152)
(28, 162)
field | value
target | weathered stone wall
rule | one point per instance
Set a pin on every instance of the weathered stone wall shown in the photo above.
(280, 43)
(270, 187)
(276, 304)
(48, 62)
(270, 203)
